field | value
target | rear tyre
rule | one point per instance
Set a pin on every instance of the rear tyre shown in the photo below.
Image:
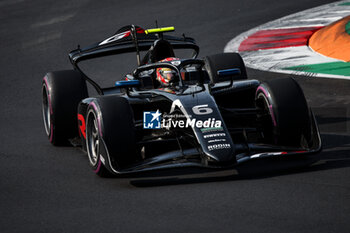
(286, 116)
(224, 61)
(61, 93)
(110, 132)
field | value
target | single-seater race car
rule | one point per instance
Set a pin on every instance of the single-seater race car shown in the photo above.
(174, 112)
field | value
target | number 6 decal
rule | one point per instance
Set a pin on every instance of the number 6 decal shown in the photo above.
(202, 109)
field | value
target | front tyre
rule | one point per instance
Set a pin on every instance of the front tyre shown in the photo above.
(93, 143)
(286, 116)
(110, 135)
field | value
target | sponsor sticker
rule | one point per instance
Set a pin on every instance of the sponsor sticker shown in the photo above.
(219, 146)
(211, 129)
(215, 135)
(115, 37)
(217, 140)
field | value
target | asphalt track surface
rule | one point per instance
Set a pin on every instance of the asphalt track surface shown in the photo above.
(52, 189)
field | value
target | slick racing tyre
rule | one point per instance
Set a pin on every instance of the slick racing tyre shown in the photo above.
(61, 93)
(110, 134)
(223, 61)
(286, 115)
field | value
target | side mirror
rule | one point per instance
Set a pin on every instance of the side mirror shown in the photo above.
(229, 72)
(227, 75)
(128, 83)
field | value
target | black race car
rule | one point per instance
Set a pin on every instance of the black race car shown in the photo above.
(209, 115)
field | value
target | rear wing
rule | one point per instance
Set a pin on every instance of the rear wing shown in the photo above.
(125, 41)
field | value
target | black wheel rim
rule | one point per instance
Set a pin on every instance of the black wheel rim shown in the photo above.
(265, 118)
(92, 138)
(46, 110)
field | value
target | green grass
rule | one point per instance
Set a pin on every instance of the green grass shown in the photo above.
(335, 68)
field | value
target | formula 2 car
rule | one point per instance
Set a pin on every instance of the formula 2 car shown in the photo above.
(210, 115)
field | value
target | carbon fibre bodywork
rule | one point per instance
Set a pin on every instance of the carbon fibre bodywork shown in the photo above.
(194, 146)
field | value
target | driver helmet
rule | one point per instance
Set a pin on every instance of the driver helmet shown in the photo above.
(165, 75)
